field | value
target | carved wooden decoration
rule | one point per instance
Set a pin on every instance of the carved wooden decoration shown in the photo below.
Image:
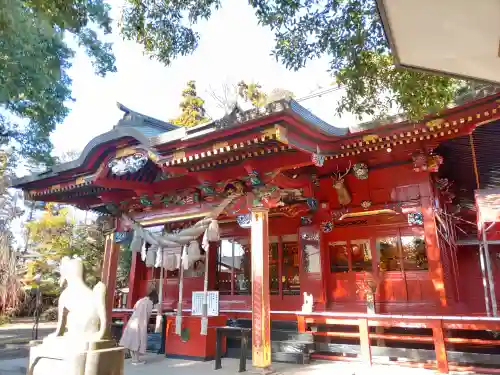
(343, 194)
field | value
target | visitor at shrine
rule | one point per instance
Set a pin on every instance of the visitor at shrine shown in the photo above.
(135, 334)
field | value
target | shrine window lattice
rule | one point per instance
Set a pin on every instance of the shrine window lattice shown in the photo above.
(234, 266)
(354, 255)
(398, 252)
(402, 253)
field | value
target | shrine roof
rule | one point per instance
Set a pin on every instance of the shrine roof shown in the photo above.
(280, 128)
(152, 133)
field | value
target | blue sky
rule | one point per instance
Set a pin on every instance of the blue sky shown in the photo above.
(232, 47)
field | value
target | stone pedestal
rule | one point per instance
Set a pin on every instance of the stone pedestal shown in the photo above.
(74, 356)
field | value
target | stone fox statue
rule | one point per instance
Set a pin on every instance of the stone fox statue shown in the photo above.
(82, 311)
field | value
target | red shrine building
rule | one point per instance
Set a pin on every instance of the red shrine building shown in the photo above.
(340, 244)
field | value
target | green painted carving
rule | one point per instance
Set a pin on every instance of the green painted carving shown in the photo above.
(207, 189)
(145, 201)
(254, 178)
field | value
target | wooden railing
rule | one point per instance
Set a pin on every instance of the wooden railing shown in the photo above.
(438, 325)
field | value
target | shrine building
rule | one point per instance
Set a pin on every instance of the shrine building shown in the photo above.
(327, 243)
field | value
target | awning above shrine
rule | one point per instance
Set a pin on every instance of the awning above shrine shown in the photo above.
(459, 163)
(455, 37)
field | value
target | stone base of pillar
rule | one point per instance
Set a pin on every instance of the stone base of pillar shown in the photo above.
(263, 371)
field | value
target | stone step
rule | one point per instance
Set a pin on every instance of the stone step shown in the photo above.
(292, 346)
(278, 335)
(296, 358)
(282, 335)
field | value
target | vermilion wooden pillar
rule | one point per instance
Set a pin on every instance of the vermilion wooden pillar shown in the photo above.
(261, 324)
(133, 280)
(110, 265)
(212, 266)
(433, 252)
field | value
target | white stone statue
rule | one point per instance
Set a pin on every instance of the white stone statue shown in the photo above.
(82, 311)
(80, 345)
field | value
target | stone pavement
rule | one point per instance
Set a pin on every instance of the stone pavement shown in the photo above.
(14, 337)
(157, 364)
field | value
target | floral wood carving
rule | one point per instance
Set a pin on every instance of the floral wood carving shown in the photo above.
(360, 170)
(128, 164)
(426, 163)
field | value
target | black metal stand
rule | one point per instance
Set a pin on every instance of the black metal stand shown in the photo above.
(163, 334)
(37, 312)
(224, 331)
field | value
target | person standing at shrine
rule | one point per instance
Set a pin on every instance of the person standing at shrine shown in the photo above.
(135, 334)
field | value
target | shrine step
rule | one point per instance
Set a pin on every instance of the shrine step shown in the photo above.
(287, 335)
(276, 335)
(284, 357)
(292, 346)
(288, 351)
(296, 358)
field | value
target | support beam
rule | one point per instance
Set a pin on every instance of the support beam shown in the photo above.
(133, 285)
(261, 324)
(108, 276)
(433, 251)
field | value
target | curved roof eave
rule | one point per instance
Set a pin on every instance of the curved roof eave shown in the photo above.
(174, 133)
(113, 135)
(317, 123)
(234, 119)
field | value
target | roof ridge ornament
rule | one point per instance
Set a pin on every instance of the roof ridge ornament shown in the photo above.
(131, 117)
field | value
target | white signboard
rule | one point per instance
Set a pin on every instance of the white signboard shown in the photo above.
(212, 302)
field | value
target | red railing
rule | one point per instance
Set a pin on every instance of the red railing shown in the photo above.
(438, 325)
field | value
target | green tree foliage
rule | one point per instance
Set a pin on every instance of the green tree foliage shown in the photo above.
(55, 235)
(348, 32)
(192, 107)
(252, 92)
(227, 96)
(34, 61)
(123, 271)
